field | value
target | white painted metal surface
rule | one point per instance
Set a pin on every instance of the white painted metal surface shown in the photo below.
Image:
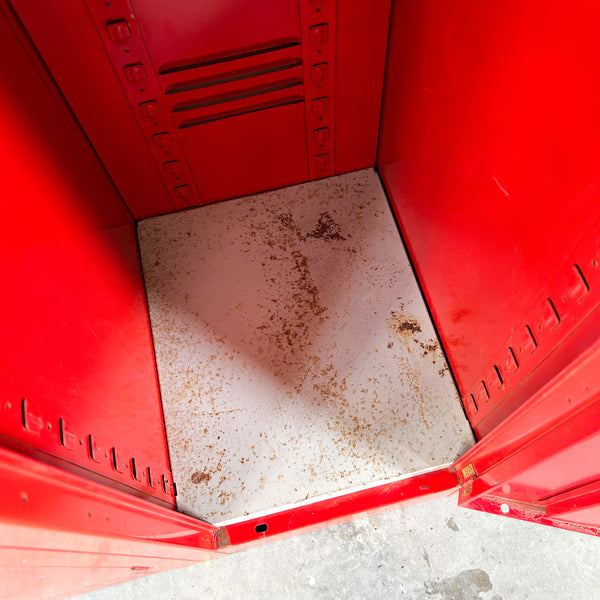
(295, 353)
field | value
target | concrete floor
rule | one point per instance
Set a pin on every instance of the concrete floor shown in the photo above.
(431, 551)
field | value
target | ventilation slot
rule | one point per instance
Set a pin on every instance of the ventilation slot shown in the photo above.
(244, 111)
(241, 95)
(237, 75)
(196, 63)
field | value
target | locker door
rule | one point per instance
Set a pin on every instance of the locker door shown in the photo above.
(489, 155)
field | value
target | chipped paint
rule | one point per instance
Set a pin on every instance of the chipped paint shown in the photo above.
(295, 354)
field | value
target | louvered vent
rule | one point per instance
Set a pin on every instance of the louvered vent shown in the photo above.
(201, 90)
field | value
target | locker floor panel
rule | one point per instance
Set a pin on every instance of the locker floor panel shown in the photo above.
(295, 353)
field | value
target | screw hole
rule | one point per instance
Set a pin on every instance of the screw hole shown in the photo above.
(156, 122)
(318, 52)
(89, 513)
(261, 528)
(126, 50)
(24, 497)
(142, 89)
(318, 10)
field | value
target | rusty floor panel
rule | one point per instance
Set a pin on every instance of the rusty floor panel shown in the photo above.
(295, 353)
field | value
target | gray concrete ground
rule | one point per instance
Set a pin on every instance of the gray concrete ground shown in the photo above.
(431, 551)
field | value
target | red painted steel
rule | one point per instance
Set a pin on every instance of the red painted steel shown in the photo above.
(319, 35)
(61, 534)
(360, 66)
(69, 44)
(489, 154)
(124, 43)
(244, 98)
(339, 509)
(77, 367)
(542, 460)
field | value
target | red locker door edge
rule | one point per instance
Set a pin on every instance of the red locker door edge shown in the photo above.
(541, 463)
(77, 373)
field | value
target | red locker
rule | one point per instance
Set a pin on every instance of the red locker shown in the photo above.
(481, 122)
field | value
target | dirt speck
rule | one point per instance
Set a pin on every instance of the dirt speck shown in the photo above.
(200, 477)
(403, 324)
(326, 229)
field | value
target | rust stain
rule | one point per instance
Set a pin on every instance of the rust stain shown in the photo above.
(200, 477)
(326, 229)
(405, 325)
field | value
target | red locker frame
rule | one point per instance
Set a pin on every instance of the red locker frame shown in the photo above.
(487, 150)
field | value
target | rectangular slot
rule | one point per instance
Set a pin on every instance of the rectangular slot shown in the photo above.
(239, 95)
(198, 84)
(196, 63)
(243, 111)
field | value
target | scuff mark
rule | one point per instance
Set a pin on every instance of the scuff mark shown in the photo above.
(502, 189)
(467, 585)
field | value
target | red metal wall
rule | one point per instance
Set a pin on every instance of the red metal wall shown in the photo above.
(489, 152)
(77, 373)
(193, 102)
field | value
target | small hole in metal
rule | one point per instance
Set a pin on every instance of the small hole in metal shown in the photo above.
(594, 263)
(48, 425)
(126, 50)
(24, 497)
(7, 406)
(89, 513)
(261, 528)
(142, 89)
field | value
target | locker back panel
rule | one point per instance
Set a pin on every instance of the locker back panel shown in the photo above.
(77, 367)
(189, 103)
(489, 153)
